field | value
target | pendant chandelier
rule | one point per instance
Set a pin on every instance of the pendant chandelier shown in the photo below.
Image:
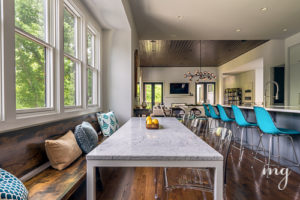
(199, 74)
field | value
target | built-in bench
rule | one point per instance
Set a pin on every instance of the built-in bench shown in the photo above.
(23, 154)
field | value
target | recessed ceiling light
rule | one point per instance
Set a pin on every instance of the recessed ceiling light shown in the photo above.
(238, 30)
(264, 9)
(179, 17)
(284, 30)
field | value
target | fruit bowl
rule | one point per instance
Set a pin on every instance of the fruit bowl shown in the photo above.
(152, 123)
(152, 126)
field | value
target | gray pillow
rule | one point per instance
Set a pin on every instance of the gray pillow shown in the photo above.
(86, 137)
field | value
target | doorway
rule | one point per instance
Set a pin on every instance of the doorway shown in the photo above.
(205, 93)
(153, 94)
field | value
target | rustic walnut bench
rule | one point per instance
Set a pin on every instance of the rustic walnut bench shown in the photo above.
(23, 154)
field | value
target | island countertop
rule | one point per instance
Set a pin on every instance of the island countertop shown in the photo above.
(285, 109)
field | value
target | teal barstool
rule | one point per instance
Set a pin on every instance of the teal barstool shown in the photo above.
(244, 124)
(223, 115)
(267, 126)
(214, 115)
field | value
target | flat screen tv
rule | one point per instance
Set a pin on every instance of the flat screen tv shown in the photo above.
(179, 88)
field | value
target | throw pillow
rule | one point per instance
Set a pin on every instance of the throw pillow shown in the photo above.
(108, 123)
(11, 187)
(86, 137)
(62, 151)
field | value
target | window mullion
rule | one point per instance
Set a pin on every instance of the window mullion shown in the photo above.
(33, 38)
(72, 58)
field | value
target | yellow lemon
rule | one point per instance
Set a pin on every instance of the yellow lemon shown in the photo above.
(155, 121)
(149, 121)
(218, 132)
(148, 118)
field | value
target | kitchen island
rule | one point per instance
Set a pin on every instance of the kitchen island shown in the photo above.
(284, 117)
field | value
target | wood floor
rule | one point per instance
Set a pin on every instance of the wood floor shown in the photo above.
(243, 182)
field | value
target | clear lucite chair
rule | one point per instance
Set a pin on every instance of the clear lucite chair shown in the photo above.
(202, 126)
(194, 125)
(188, 119)
(199, 178)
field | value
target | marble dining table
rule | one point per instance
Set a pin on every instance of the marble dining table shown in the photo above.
(172, 145)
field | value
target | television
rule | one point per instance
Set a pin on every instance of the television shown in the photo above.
(179, 88)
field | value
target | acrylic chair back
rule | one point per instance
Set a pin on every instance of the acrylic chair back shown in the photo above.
(185, 119)
(194, 125)
(222, 142)
(265, 121)
(201, 130)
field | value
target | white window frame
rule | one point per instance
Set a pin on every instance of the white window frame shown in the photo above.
(1, 67)
(77, 59)
(94, 67)
(49, 48)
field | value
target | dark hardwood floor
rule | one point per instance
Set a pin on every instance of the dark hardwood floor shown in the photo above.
(243, 182)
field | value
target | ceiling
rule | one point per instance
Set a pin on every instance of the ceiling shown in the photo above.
(186, 53)
(215, 20)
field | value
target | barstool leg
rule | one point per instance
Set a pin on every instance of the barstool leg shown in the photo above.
(258, 149)
(241, 144)
(278, 151)
(295, 154)
(269, 158)
(252, 140)
(235, 138)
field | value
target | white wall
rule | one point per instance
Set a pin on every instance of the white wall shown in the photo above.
(260, 59)
(292, 81)
(117, 73)
(169, 75)
(119, 41)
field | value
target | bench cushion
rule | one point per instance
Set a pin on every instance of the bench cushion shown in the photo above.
(11, 187)
(86, 136)
(54, 184)
(62, 151)
(108, 123)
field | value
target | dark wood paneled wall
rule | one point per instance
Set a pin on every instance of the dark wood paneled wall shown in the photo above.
(23, 150)
(186, 53)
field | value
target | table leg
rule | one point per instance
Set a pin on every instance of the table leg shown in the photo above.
(91, 182)
(156, 182)
(219, 182)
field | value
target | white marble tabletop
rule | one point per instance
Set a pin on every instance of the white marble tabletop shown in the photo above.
(173, 141)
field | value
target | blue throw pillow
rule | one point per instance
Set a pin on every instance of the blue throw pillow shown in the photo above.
(11, 187)
(108, 123)
(86, 137)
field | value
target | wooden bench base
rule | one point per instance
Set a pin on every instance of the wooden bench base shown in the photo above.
(54, 184)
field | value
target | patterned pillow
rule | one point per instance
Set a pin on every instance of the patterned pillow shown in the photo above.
(11, 187)
(86, 137)
(108, 123)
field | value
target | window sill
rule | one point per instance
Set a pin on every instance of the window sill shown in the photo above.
(34, 119)
(23, 114)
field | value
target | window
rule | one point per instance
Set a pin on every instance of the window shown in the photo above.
(33, 54)
(153, 94)
(72, 63)
(92, 69)
(1, 109)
